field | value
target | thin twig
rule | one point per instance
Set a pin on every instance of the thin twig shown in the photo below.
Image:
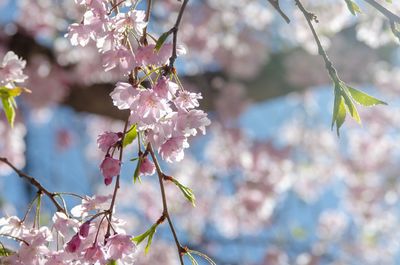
(15, 238)
(116, 187)
(384, 11)
(143, 39)
(36, 184)
(161, 175)
(175, 34)
(275, 4)
(328, 64)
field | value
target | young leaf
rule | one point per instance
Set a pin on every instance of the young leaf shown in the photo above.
(9, 109)
(149, 235)
(341, 115)
(353, 7)
(161, 40)
(112, 262)
(348, 101)
(187, 192)
(363, 98)
(130, 136)
(149, 240)
(136, 175)
(138, 239)
(336, 104)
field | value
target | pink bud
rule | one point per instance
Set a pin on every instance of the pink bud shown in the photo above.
(110, 167)
(73, 244)
(147, 167)
(84, 229)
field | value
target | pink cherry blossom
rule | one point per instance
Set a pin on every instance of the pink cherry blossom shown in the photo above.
(172, 149)
(74, 244)
(106, 140)
(124, 95)
(147, 167)
(187, 100)
(121, 57)
(62, 224)
(97, 202)
(147, 55)
(188, 122)
(119, 246)
(11, 69)
(164, 88)
(95, 254)
(148, 109)
(110, 167)
(12, 226)
(133, 19)
(79, 34)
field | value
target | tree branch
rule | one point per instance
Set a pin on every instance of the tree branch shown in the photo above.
(36, 184)
(161, 175)
(275, 4)
(328, 64)
(117, 186)
(384, 11)
(175, 34)
(143, 39)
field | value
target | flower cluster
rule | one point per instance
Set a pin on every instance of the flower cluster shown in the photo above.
(85, 238)
(111, 35)
(164, 113)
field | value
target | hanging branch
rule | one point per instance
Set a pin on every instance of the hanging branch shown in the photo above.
(36, 184)
(384, 11)
(345, 95)
(174, 31)
(161, 175)
(275, 4)
(143, 39)
(321, 51)
(117, 186)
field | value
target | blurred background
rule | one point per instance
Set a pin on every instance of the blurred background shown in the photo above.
(274, 185)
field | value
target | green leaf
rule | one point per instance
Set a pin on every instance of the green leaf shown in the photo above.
(130, 136)
(134, 159)
(149, 235)
(149, 240)
(348, 101)
(341, 115)
(363, 98)
(4, 252)
(161, 40)
(112, 262)
(353, 7)
(9, 109)
(336, 105)
(187, 192)
(136, 175)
